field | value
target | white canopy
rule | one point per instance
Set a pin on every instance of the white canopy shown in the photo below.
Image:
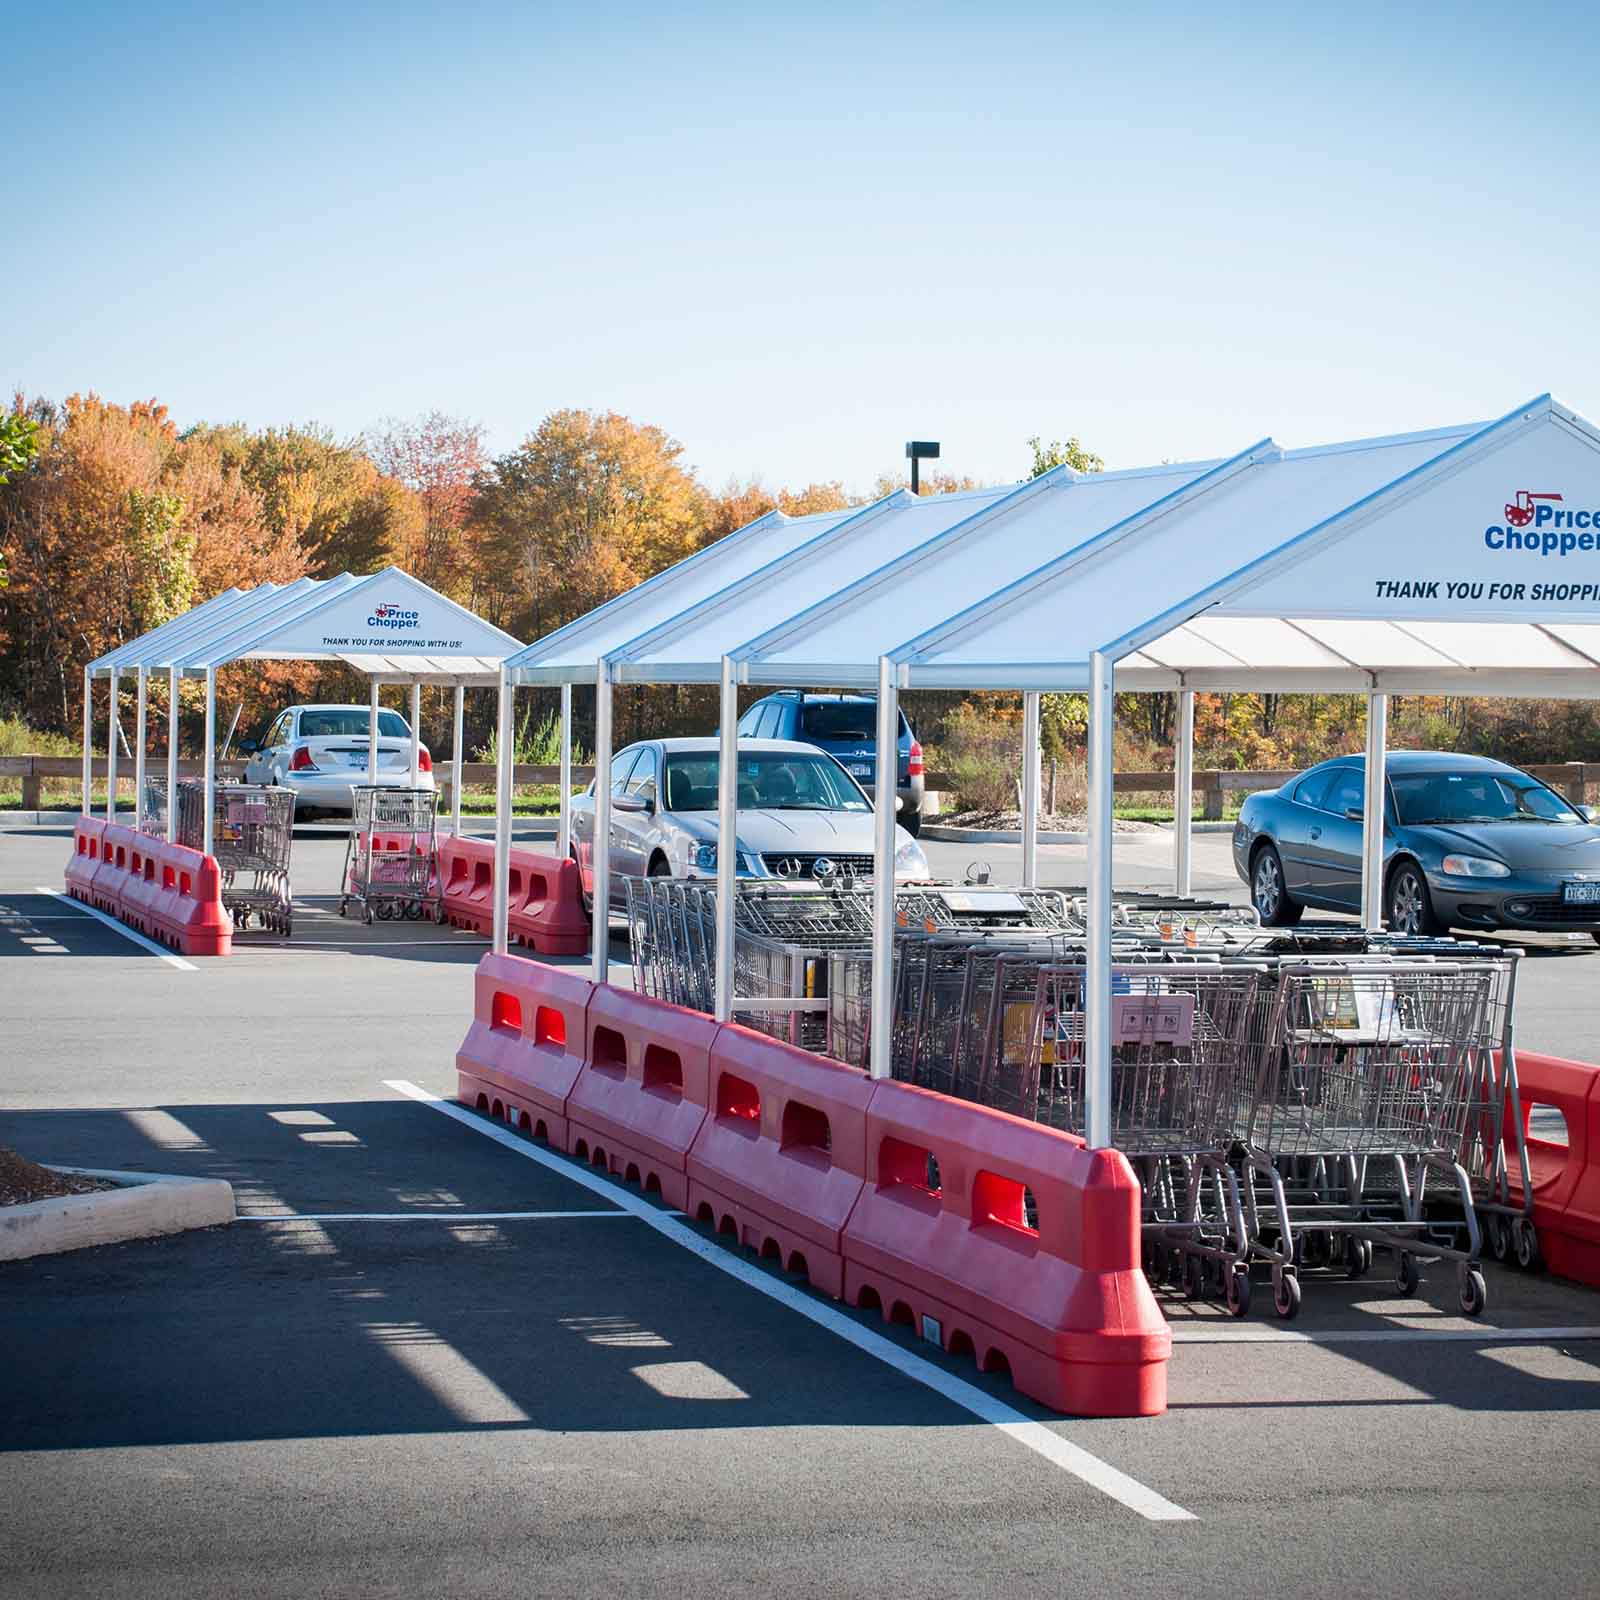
(569, 655)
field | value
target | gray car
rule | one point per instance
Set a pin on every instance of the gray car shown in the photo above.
(1468, 843)
(320, 752)
(801, 815)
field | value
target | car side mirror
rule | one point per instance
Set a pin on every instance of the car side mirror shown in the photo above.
(249, 746)
(1590, 813)
(1353, 813)
(629, 802)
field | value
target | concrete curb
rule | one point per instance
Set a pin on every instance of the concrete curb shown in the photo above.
(148, 1204)
(949, 835)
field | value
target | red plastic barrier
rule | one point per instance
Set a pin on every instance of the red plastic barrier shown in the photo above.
(111, 875)
(1566, 1177)
(546, 904)
(87, 834)
(466, 868)
(184, 901)
(781, 1155)
(1063, 1305)
(644, 1089)
(142, 886)
(525, 1046)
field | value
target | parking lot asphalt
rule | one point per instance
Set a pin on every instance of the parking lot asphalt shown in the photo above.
(431, 1359)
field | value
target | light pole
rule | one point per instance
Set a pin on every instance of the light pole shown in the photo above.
(920, 450)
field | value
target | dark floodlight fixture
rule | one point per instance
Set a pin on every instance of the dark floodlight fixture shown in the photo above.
(920, 450)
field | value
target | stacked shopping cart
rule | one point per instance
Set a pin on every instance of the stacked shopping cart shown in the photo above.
(391, 864)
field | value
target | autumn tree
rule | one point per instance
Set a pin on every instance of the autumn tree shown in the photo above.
(588, 505)
(740, 503)
(927, 483)
(1073, 453)
(439, 459)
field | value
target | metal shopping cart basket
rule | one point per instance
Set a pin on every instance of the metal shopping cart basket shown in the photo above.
(391, 866)
(251, 830)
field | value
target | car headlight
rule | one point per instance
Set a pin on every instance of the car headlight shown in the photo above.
(1474, 867)
(910, 862)
(704, 856)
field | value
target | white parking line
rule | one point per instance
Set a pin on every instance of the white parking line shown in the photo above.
(1384, 1335)
(126, 932)
(1036, 1436)
(431, 1216)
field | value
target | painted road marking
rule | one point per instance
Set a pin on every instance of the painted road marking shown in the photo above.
(1035, 1436)
(431, 1216)
(127, 933)
(1384, 1335)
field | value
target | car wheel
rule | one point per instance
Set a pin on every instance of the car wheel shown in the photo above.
(1267, 892)
(1597, 935)
(585, 899)
(660, 868)
(1407, 907)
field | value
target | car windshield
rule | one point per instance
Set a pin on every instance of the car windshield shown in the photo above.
(351, 723)
(777, 779)
(1424, 797)
(839, 719)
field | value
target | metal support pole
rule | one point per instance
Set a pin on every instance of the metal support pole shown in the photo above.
(727, 837)
(173, 703)
(503, 754)
(564, 777)
(1097, 953)
(138, 750)
(1183, 796)
(1030, 790)
(209, 776)
(881, 1049)
(600, 848)
(416, 731)
(111, 752)
(1372, 813)
(88, 743)
(372, 733)
(455, 763)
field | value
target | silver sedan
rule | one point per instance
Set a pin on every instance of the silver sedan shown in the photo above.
(801, 815)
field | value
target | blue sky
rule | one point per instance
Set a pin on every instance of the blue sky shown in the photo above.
(796, 238)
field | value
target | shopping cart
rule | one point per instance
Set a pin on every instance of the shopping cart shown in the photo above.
(1365, 1091)
(153, 812)
(252, 829)
(391, 867)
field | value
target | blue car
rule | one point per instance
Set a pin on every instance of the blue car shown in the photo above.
(1468, 843)
(846, 726)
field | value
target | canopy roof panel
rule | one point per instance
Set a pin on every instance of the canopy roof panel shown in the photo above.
(690, 647)
(387, 625)
(840, 637)
(1111, 589)
(570, 654)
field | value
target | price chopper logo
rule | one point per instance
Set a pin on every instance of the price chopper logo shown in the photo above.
(1535, 524)
(393, 617)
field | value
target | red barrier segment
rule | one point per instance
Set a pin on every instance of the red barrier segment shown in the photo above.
(141, 887)
(941, 1238)
(188, 910)
(466, 870)
(781, 1156)
(105, 887)
(643, 1093)
(87, 835)
(526, 1043)
(546, 904)
(1566, 1177)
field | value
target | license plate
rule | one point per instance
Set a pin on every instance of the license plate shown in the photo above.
(1580, 894)
(861, 769)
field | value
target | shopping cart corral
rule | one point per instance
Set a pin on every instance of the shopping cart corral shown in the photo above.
(391, 864)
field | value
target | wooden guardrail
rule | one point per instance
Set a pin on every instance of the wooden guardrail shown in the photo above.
(1571, 778)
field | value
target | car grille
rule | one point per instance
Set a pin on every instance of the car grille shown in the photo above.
(1554, 910)
(794, 864)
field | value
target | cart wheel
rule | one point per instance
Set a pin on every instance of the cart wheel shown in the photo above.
(1471, 1289)
(288, 924)
(1499, 1231)
(1318, 1249)
(344, 906)
(1526, 1238)
(369, 916)
(1194, 1278)
(439, 914)
(1286, 1296)
(413, 911)
(1406, 1275)
(1239, 1291)
(1355, 1258)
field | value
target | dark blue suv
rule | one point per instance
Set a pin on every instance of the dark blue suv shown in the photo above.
(846, 726)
